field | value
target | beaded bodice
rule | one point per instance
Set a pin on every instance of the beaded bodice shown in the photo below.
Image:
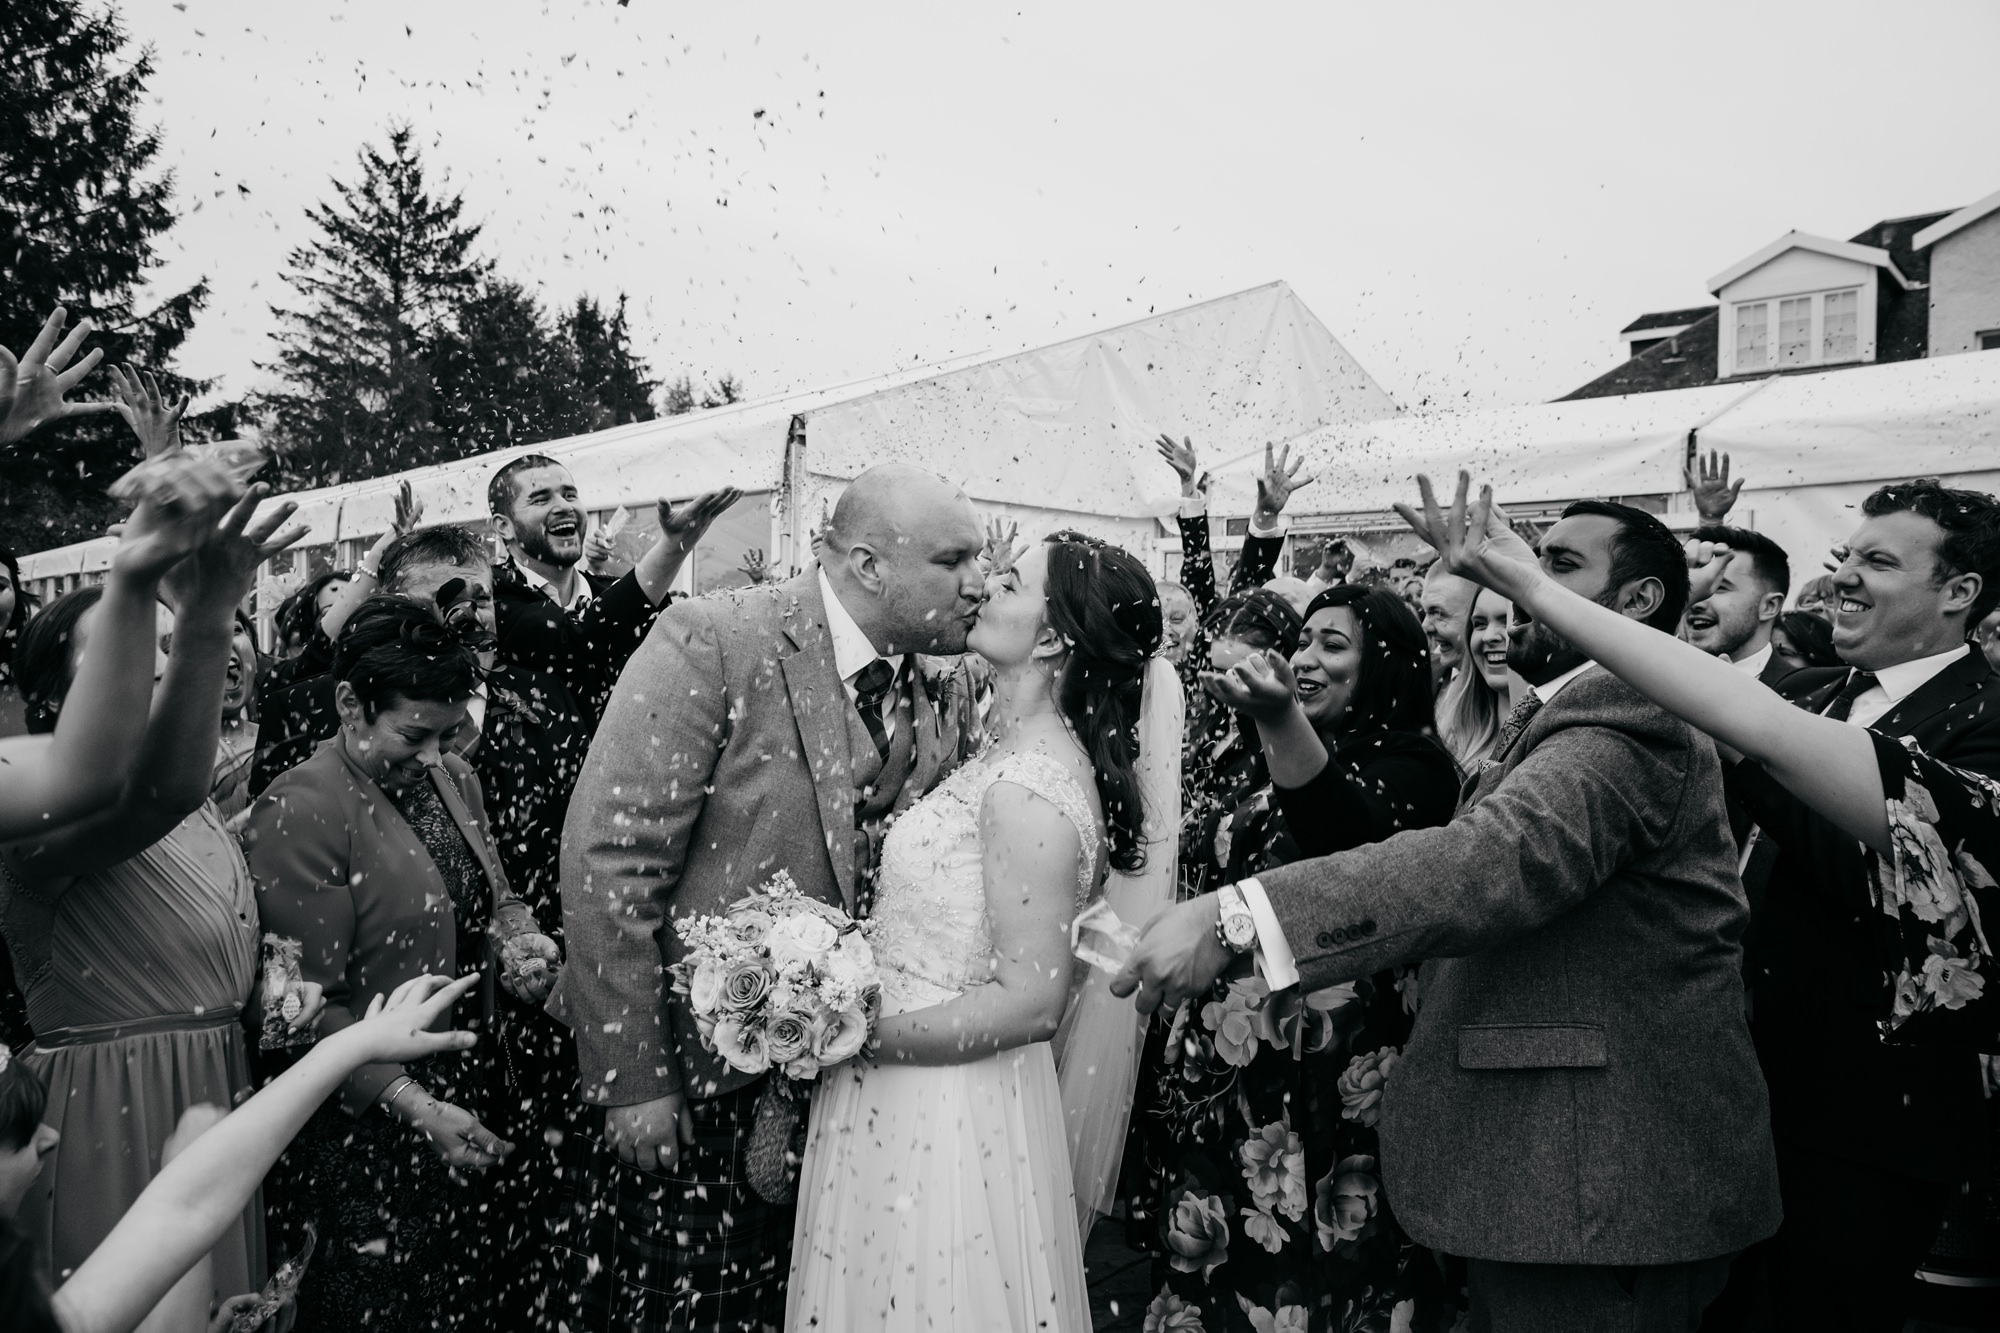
(930, 929)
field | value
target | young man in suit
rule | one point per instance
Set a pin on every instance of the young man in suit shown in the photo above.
(1736, 618)
(809, 710)
(1917, 574)
(563, 621)
(1578, 1110)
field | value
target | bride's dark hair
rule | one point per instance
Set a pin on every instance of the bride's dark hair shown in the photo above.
(1107, 608)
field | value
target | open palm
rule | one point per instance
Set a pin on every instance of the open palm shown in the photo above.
(1476, 542)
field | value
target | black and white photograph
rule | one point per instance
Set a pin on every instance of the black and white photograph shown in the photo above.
(1032, 668)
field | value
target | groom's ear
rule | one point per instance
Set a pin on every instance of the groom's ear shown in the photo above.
(864, 567)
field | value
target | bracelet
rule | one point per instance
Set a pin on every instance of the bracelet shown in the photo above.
(389, 1107)
(362, 571)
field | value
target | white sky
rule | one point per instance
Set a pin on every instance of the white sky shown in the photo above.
(1473, 197)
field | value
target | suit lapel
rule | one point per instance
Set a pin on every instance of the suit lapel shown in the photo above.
(1947, 687)
(820, 708)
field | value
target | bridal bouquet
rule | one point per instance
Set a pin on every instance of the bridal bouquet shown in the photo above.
(782, 981)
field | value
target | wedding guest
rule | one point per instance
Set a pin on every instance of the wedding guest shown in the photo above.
(236, 753)
(1443, 604)
(133, 931)
(1578, 1109)
(1255, 563)
(34, 389)
(1911, 1008)
(376, 855)
(1804, 640)
(1336, 561)
(1183, 622)
(1740, 613)
(283, 697)
(1478, 699)
(1987, 636)
(1294, 1098)
(558, 620)
(1816, 597)
(216, 1163)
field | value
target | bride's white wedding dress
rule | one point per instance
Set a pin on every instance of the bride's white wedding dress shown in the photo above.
(939, 1196)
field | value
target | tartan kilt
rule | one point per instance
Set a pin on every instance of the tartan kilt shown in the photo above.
(686, 1250)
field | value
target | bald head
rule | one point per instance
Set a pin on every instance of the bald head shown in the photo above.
(902, 554)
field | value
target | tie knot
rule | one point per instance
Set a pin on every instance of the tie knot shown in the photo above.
(872, 682)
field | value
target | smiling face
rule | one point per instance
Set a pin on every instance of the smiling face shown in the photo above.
(1444, 601)
(1486, 639)
(237, 679)
(1888, 604)
(1733, 620)
(546, 520)
(405, 736)
(1177, 610)
(1327, 665)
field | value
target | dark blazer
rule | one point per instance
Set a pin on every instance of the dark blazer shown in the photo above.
(733, 693)
(337, 867)
(1580, 1086)
(1816, 977)
(584, 649)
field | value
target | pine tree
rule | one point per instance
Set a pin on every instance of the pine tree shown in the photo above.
(614, 381)
(82, 209)
(504, 376)
(380, 289)
(680, 397)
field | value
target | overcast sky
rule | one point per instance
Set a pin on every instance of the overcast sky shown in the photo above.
(1473, 197)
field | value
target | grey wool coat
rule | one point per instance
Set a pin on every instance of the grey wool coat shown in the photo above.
(1580, 1086)
(725, 755)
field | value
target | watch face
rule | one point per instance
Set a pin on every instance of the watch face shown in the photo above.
(1242, 930)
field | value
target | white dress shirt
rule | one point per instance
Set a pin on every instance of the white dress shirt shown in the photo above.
(1754, 664)
(1274, 952)
(1893, 684)
(853, 649)
(583, 596)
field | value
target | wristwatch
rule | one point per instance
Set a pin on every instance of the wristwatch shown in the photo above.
(1234, 925)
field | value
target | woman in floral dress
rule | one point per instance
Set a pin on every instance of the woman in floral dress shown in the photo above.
(1259, 1129)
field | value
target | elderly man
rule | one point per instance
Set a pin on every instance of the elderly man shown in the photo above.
(1444, 606)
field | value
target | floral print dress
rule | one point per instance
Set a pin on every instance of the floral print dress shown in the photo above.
(1256, 1118)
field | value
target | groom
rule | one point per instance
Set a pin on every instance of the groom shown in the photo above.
(774, 728)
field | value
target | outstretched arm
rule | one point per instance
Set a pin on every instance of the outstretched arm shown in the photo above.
(1031, 851)
(196, 1196)
(1829, 765)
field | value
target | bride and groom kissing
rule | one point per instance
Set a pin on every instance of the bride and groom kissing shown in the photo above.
(826, 726)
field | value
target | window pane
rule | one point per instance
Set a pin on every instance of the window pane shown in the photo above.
(1841, 326)
(1795, 331)
(1753, 341)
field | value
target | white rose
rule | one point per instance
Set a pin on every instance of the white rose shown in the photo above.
(842, 1036)
(804, 938)
(705, 990)
(802, 1069)
(842, 971)
(741, 1046)
(855, 947)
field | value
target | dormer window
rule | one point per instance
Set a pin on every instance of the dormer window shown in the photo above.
(1817, 328)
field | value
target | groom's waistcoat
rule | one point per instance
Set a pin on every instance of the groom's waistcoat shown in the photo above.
(1579, 1087)
(730, 751)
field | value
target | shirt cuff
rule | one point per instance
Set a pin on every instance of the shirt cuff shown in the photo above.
(1194, 506)
(1277, 528)
(1274, 955)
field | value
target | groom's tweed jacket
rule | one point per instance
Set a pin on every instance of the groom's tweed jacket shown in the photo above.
(725, 755)
(1580, 1086)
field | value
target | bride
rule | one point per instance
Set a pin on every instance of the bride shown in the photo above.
(936, 1189)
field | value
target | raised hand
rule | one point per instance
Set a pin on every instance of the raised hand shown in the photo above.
(754, 567)
(684, 527)
(181, 500)
(1278, 481)
(1002, 547)
(1479, 544)
(1708, 479)
(136, 396)
(1260, 685)
(409, 510)
(1182, 459)
(223, 568)
(1707, 562)
(33, 390)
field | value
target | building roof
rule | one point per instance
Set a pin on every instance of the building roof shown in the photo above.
(1898, 237)
(1668, 319)
(1958, 221)
(1802, 240)
(1682, 361)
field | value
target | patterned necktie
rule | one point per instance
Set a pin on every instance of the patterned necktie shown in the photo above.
(1517, 722)
(1857, 685)
(871, 686)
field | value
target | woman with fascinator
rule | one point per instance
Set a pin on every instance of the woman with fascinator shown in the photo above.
(377, 856)
(936, 1189)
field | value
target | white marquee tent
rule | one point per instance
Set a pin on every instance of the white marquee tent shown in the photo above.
(1057, 436)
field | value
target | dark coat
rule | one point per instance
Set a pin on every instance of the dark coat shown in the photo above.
(585, 649)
